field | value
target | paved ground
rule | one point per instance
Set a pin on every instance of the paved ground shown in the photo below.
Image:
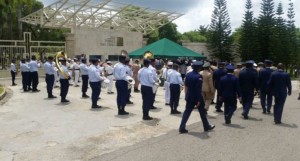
(34, 128)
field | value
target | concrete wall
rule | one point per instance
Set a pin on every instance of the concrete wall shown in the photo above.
(104, 42)
(197, 47)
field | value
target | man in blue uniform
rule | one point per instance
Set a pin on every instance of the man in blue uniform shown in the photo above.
(145, 76)
(34, 77)
(25, 75)
(84, 70)
(263, 78)
(95, 82)
(120, 73)
(220, 72)
(280, 85)
(248, 82)
(229, 90)
(64, 81)
(175, 80)
(193, 97)
(50, 71)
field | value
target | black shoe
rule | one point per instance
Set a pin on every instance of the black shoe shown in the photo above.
(269, 112)
(264, 112)
(85, 96)
(64, 101)
(110, 92)
(213, 103)
(182, 131)
(99, 98)
(136, 90)
(219, 110)
(245, 116)
(210, 127)
(35, 90)
(96, 106)
(227, 121)
(147, 118)
(52, 96)
(153, 108)
(122, 112)
(29, 89)
(167, 104)
(176, 112)
(129, 103)
(277, 122)
(14, 84)
(299, 98)
(26, 90)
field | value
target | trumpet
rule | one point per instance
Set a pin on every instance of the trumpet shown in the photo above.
(58, 55)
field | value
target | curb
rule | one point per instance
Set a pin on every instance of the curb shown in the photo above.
(3, 94)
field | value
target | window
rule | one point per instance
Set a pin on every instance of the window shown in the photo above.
(113, 57)
(95, 57)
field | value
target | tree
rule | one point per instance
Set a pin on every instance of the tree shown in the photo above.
(219, 40)
(247, 39)
(279, 41)
(265, 30)
(169, 31)
(292, 34)
(193, 36)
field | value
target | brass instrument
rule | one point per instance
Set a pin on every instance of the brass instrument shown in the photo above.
(58, 64)
(148, 55)
(130, 81)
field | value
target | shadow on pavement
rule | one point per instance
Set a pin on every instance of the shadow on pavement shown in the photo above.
(234, 126)
(125, 116)
(153, 122)
(201, 135)
(287, 125)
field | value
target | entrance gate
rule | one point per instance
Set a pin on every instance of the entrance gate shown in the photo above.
(18, 49)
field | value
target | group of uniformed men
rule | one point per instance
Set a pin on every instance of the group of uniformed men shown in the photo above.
(200, 84)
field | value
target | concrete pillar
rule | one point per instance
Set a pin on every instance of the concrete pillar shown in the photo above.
(70, 44)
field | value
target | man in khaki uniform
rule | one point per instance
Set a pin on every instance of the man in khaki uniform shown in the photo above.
(135, 69)
(208, 89)
(236, 71)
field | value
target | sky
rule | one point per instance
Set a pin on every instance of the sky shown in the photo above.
(198, 12)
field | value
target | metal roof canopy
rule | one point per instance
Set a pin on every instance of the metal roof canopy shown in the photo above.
(102, 14)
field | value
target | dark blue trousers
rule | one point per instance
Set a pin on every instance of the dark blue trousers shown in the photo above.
(50, 82)
(25, 80)
(128, 95)
(190, 104)
(263, 96)
(175, 94)
(229, 107)
(147, 95)
(64, 88)
(34, 80)
(13, 77)
(247, 99)
(96, 89)
(122, 90)
(278, 107)
(219, 103)
(85, 82)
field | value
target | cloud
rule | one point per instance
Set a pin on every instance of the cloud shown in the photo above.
(198, 12)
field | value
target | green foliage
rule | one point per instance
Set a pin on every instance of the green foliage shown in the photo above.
(218, 37)
(193, 36)
(169, 31)
(247, 42)
(11, 28)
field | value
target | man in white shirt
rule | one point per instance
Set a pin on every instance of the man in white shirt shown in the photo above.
(109, 74)
(64, 81)
(84, 70)
(120, 74)
(34, 77)
(25, 75)
(176, 82)
(50, 71)
(166, 73)
(154, 74)
(145, 76)
(76, 69)
(13, 72)
(95, 82)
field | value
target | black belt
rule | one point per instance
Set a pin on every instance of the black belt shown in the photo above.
(76, 69)
(109, 74)
(49, 74)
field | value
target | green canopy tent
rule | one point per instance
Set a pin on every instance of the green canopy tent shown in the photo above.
(166, 48)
